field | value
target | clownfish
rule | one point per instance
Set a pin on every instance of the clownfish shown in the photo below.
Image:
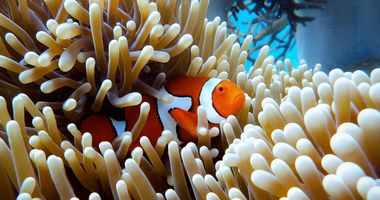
(220, 98)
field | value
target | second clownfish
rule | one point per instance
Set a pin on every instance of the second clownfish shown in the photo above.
(220, 98)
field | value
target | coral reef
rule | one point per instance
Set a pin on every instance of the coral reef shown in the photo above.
(302, 133)
(271, 22)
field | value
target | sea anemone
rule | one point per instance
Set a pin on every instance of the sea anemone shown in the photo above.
(302, 133)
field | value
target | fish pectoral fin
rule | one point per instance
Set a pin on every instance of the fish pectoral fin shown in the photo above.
(186, 120)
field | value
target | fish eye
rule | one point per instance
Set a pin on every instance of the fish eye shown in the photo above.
(221, 89)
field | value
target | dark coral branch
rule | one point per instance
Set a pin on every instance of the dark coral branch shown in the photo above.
(270, 18)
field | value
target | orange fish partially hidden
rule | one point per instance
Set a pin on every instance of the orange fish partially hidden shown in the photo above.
(220, 98)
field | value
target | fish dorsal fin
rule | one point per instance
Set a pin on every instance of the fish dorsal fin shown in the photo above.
(118, 125)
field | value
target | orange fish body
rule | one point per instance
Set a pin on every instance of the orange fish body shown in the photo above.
(220, 98)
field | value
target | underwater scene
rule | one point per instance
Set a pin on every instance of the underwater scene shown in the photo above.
(190, 99)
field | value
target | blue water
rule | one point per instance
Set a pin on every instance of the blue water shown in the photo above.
(245, 16)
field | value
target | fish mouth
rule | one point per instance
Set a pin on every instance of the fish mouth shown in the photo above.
(239, 99)
(238, 95)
